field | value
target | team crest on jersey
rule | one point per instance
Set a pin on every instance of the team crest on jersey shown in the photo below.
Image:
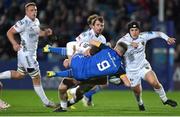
(16, 25)
(21, 22)
(84, 34)
(150, 32)
(143, 43)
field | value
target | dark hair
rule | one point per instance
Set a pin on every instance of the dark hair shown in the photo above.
(98, 18)
(30, 4)
(133, 24)
(94, 50)
(91, 18)
(121, 46)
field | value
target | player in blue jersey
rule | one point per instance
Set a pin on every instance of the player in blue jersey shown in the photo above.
(106, 62)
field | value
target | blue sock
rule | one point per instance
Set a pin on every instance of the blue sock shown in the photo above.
(60, 50)
(92, 92)
(65, 73)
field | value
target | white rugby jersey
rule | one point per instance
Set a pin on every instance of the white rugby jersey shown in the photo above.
(135, 57)
(90, 34)
(29, 33)
(84, 38)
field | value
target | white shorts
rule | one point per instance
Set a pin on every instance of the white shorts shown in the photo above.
(27, 63)
(136, 76)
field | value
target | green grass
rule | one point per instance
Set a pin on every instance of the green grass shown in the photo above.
(114, 103)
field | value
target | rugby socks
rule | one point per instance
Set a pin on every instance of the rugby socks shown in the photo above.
(73, 92)
(60, 50)
(5, 75)
(63, 104)
(161, 93)
(92, 92)
(139, 99)
(66, 73)
(40, 92)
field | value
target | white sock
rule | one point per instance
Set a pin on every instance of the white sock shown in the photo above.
(40, 92)
(63, 104)
(72, 101)
(139, 99)
(161, 93)
(73, 91)
(5, 75)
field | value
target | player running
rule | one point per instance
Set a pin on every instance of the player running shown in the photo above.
(137, 67)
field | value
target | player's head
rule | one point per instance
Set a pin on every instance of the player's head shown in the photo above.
(90, 19)
(31, 10)
(134, 29)
(120, 48)
(98, 24)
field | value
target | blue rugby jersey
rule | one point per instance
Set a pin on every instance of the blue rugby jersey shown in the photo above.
(105, 62)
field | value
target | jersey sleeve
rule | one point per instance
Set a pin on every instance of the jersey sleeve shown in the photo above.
(124, 40)
(83, 37)
(19, 26)
(154, 34)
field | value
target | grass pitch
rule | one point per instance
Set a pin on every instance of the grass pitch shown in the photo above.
(107, 103)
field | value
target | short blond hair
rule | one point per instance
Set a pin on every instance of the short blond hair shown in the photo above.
(30, 4)
(98, 18)
(91, 18)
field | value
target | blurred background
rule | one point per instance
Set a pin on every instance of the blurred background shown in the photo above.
(68, 18)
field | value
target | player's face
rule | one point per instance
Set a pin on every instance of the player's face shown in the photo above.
(98, 27)
(31, 12)
(134, 32)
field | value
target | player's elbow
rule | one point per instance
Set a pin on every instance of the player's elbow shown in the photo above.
(10, 32)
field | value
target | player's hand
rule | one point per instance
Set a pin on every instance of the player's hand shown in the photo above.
(48, 31)
(16, 47)
(134, 44)
(171, 41)
(87, 52)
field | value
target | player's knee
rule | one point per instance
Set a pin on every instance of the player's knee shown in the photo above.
(33, 72)
(17, 75)
(62, 88)
(137, 90)
(157, 85)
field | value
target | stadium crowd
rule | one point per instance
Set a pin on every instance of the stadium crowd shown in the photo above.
(67, 18)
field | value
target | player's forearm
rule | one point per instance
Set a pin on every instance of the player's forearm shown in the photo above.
(58, 50)
(11, 38)
(163, 35)
(95, 43)
(125, 80)
(66, 73)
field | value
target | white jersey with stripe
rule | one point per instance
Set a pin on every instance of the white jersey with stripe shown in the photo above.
(90, 34)
(29, 33)
(135, 57)
(84, 38)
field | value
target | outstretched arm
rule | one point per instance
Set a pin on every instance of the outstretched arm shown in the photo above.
(65, 73)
